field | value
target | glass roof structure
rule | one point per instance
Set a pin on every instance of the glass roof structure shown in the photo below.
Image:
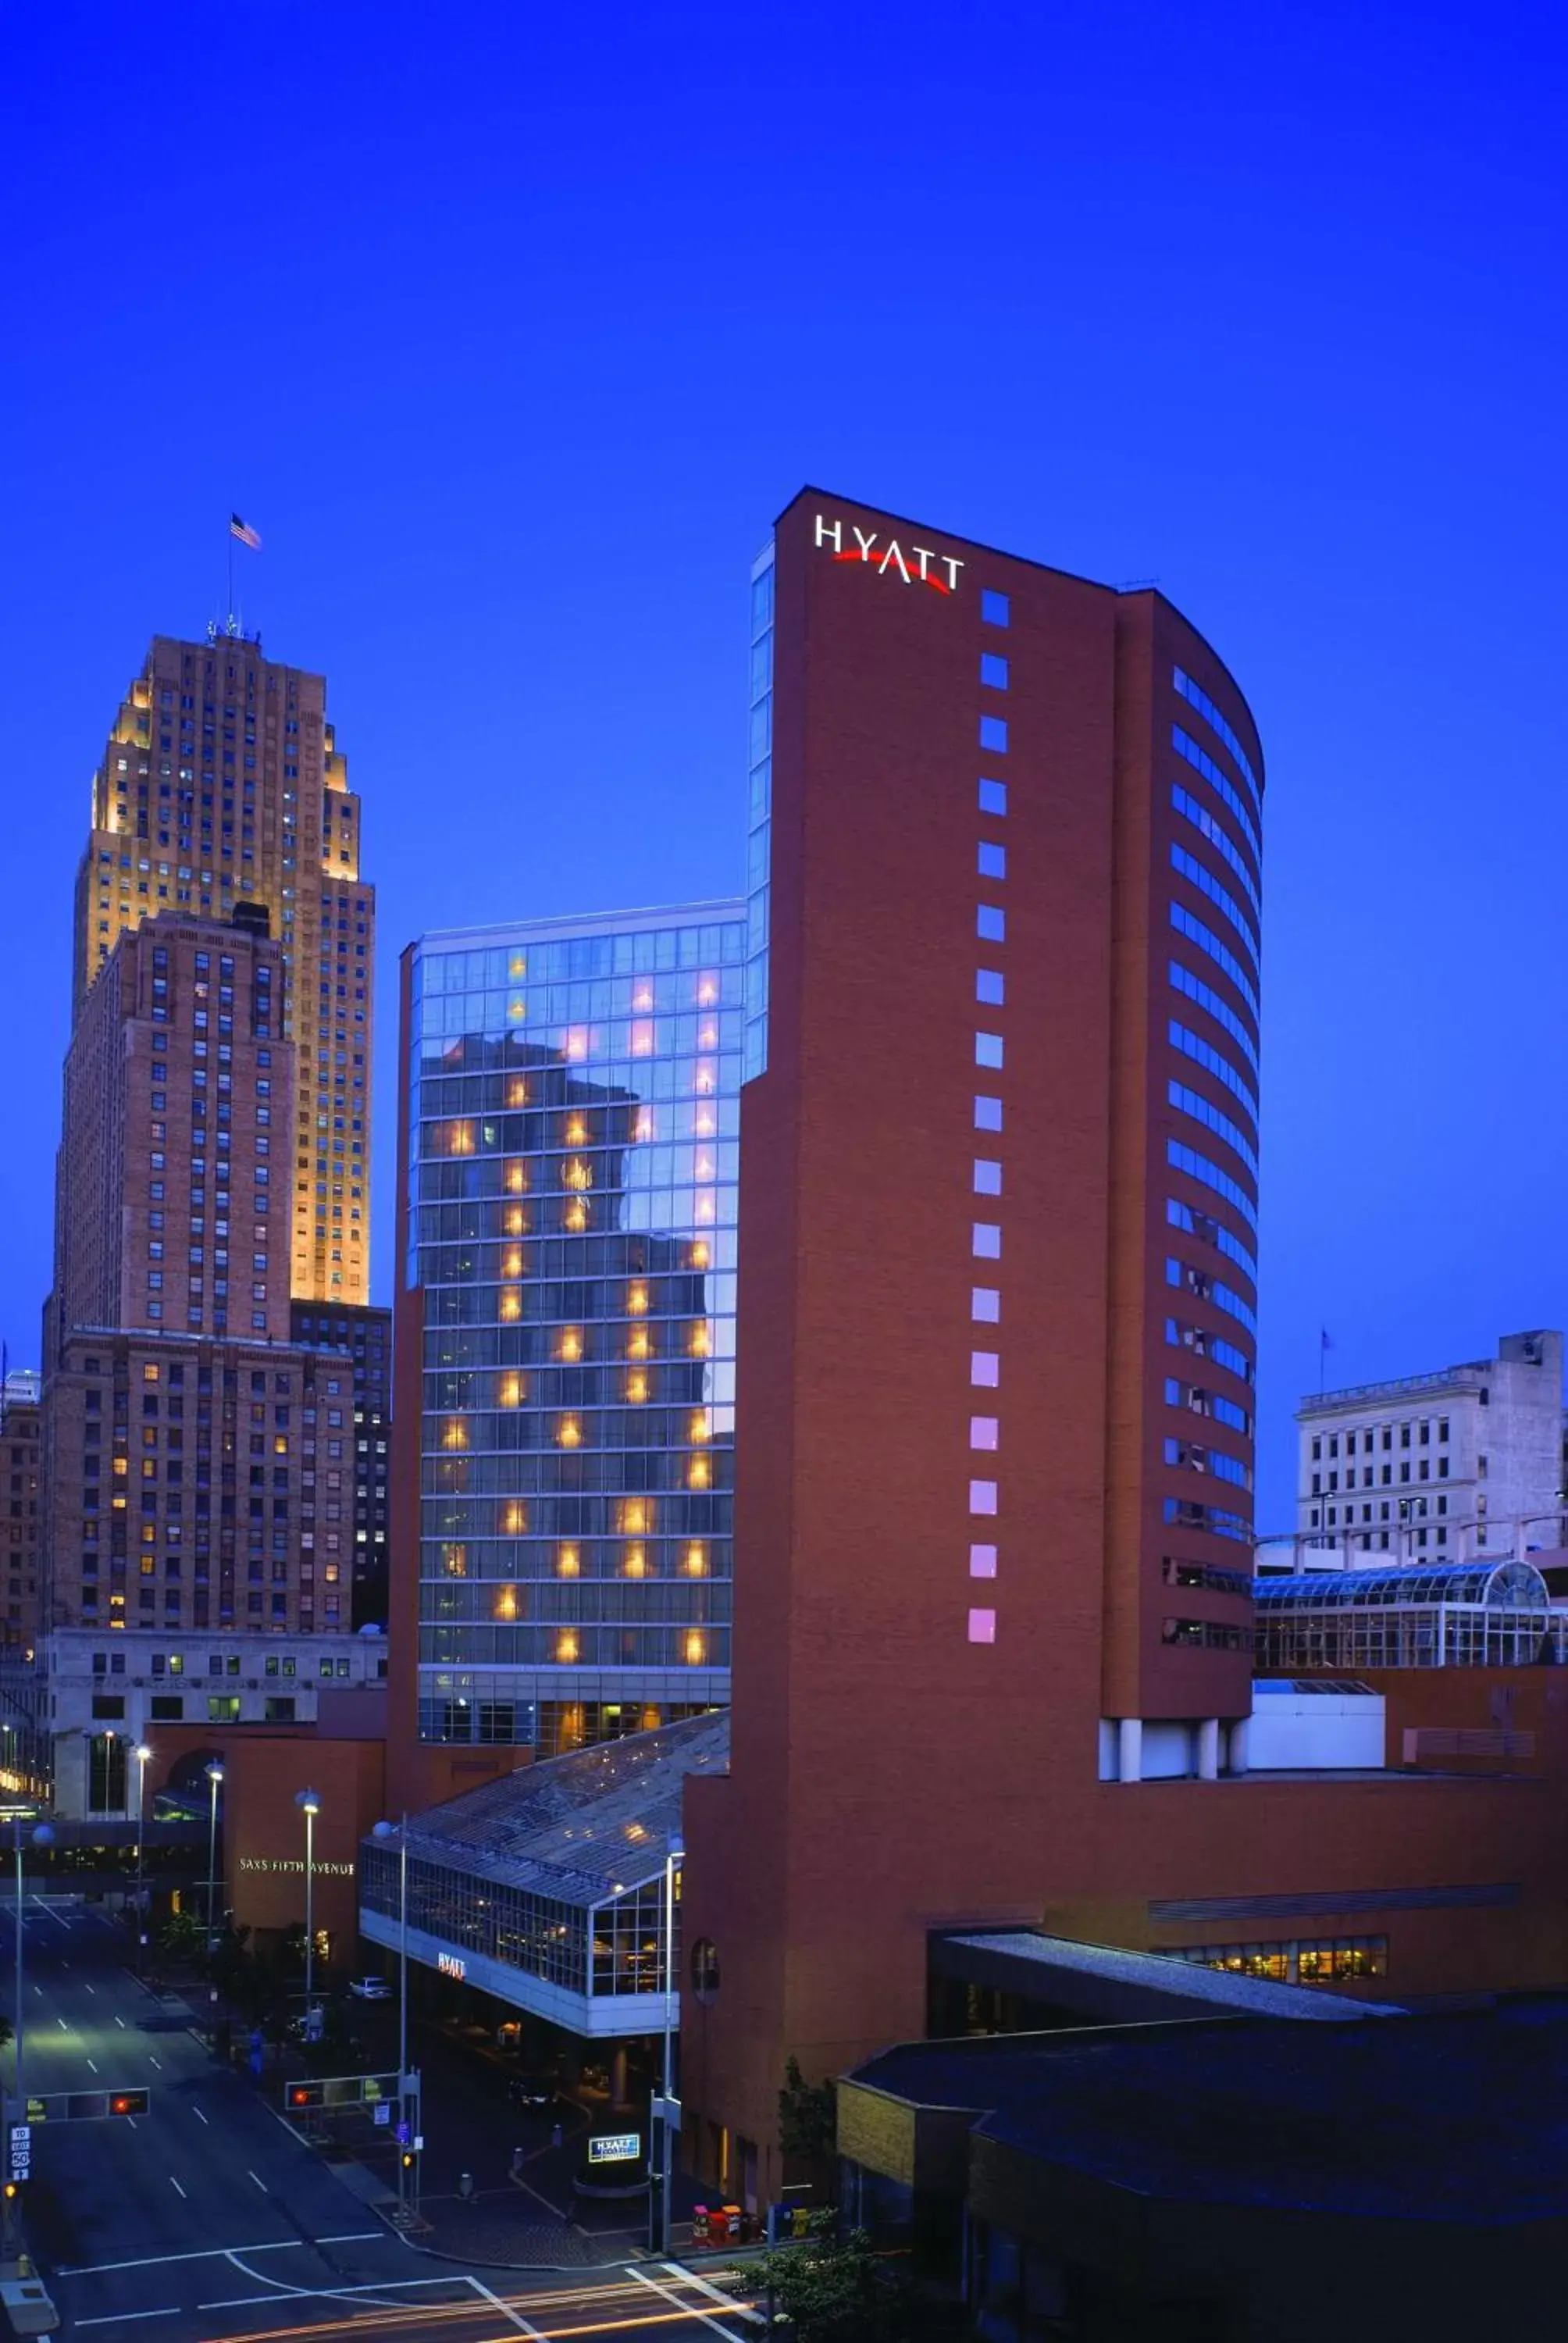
(577, 1828)
(1475, 1614)
(1504, 1584)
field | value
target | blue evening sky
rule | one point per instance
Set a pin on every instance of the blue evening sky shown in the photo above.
(511, 333)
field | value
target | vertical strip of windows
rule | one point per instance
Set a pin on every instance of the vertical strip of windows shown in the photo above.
(759, 817)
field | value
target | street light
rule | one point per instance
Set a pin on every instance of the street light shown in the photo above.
(675, 1855)
(140, 1753)
(399, 1831)
(41, 1835)
(215, 1776)
(310, 1803)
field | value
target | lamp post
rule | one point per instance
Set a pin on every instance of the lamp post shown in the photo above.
(309, 1805)
(140, 1753)
(675, 1855)
(214, 1777)
(400, 1832)
(42, 1835)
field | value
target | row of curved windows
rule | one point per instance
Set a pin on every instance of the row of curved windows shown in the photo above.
(1192, 1045)
(1188, 1456)
(1196, 696)
(1198, 874)
(1211, 1289)
(1187, 923)
(1223, 787)
(1198, 1167)
(1204, 997)
(1204, 823)
(1205, 1344)
(1190, 1102)
(1212, 1232)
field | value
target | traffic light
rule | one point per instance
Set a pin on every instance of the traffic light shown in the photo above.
(306, 2095)
(128, 2103)
(12, 2190)
(407, 2159)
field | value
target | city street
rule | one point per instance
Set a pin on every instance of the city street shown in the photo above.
(207, 2218)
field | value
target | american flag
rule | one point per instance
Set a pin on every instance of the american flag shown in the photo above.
(246, 534)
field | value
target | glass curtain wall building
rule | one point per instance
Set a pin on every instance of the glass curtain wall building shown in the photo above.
(574, 1106)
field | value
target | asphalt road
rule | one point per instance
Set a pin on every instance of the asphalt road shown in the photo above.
(207, 2218)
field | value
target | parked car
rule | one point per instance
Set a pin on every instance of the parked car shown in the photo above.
(530, 2090)
(370, 1988)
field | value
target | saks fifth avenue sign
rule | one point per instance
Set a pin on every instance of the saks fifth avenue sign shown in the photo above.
(918, 568)
(283, 1864)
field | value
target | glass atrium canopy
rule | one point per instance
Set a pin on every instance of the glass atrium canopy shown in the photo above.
(547, 1888)
(1493, 1614)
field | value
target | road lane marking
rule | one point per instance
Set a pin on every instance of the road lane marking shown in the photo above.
(174, 2184)
(62, 2025)
(727, 2301)
(92, 1989)
(120, 2022)
(39, 1991)
(522, 2325)
(94, 2065)
(217, 2253)
(199, 2117)
(118, 2318)
(258, 2180)
(691, 2312)
(157, 2062)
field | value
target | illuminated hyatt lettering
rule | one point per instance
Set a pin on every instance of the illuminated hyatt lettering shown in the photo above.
(451, 1964)
(868, 547)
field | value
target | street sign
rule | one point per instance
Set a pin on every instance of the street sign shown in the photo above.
(383, 2114)
(615, 2147)
(665, 2111)
(19, 2149)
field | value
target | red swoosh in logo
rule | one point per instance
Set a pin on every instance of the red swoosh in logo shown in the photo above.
(915, 578)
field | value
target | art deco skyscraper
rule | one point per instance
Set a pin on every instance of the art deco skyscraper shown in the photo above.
(222, 784)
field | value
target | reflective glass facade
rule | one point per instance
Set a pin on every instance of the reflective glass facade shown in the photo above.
(574, 1130)
(759, 813)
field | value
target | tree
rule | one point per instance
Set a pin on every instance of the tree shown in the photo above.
(184, 1938)
(827, 2289)
(807, 2117)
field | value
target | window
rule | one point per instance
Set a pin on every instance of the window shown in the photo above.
(223, 1708)
(986, 1241)
(985, 1305)
(987, 1177)
(990, 924)
(987, 1050)
(988, 1113)
(982, 1496)
(108, 1705)
(993, 735)
(993, 863)
(995, 609)
(993, 797)
(993, 671)
(985, 1369)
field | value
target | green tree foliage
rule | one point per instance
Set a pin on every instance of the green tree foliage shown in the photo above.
(807, 2117)
(828, 2289)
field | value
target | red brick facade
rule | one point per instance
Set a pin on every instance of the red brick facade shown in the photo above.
(916, 1743)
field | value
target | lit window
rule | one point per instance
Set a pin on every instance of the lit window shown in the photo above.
(569, 1431)
(566, 1648)
(985, 1368)
(983, 1562)
(987, 1177)
(982, 1626)
(987, 1241)
(636, 1562)
(993, 735)
(985, 1305)
(993, 797)
(455, 1433)
(510, 1302)
(992, 862)
(982, 1496)
(988, 1114)
(570, 1347)
(989, 987)
(637, 1300)
(567, 1563)
(514, 1519)
(987, 1050)
(695, 1562)
(995, 609)
(637, 1389)
(505, 1602)
(694, 1647)
(994, 672)
(510, 1393)
(990, 924)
